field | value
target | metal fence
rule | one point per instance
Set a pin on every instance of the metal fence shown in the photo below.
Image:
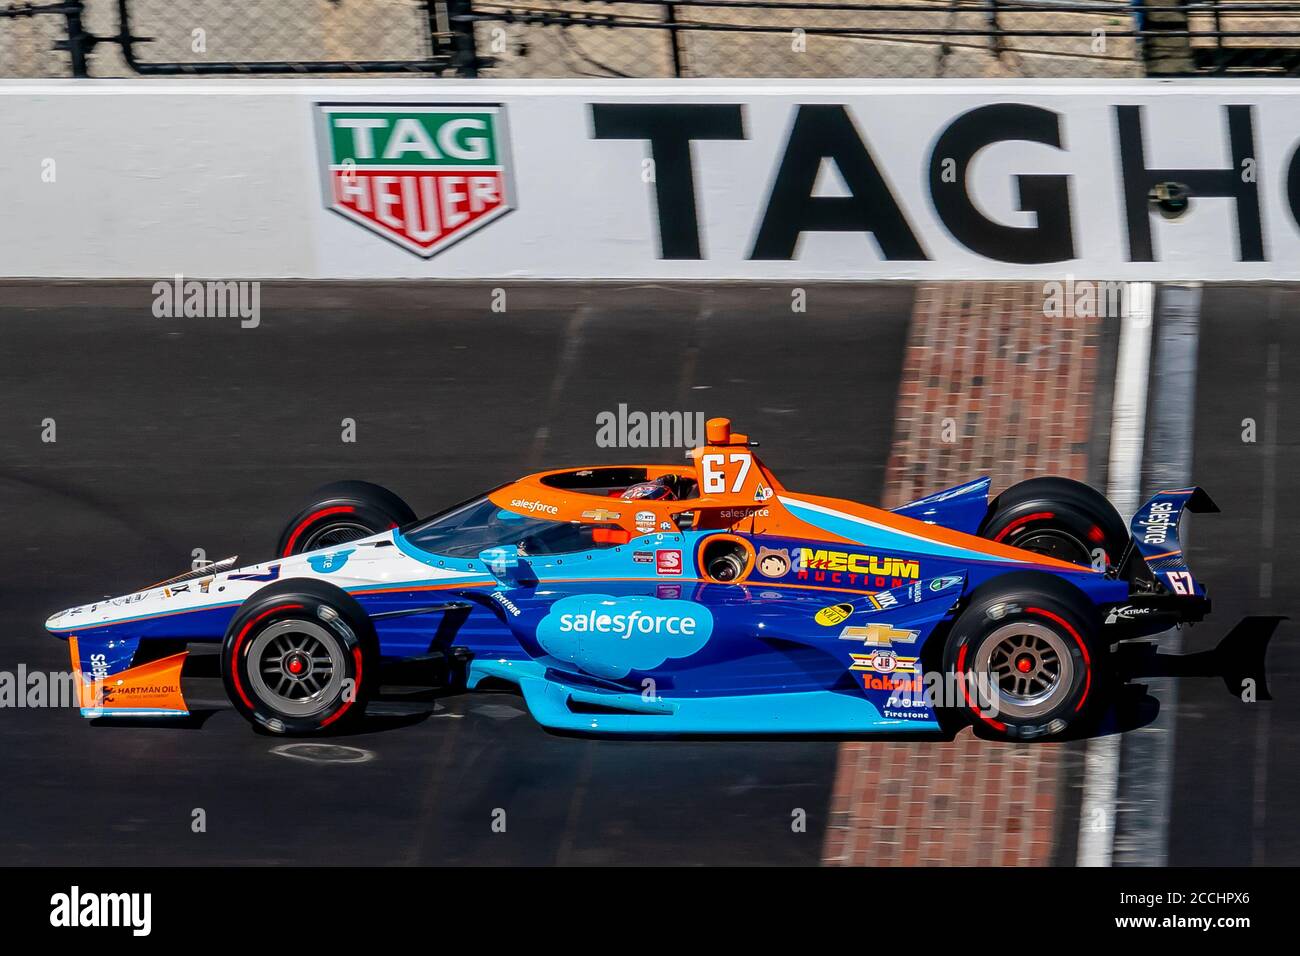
(650, 38)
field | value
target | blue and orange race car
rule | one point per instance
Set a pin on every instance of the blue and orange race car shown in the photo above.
(653, 599)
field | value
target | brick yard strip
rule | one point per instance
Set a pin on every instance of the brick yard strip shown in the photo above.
(1017, 387)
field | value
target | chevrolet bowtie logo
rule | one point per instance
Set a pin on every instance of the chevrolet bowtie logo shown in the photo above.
(600, 514)
(878, 635)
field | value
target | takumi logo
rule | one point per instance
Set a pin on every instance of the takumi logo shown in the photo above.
(423, 176)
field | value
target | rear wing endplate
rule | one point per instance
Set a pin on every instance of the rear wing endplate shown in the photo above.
(1155, 529)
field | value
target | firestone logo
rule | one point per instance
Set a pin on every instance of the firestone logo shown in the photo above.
(422, 176)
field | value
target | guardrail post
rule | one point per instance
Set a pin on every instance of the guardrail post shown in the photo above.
(80, 43)
(995, 28)
(464, 53)
(1164, 54)
(674, 35)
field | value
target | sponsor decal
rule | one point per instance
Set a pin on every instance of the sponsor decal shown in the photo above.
(510, 606)
(852, 568)
(883, 662)
(878, 635)
(892, 684)
(773, 562)
(643, 557)
(645, 521)
(883, 600)
(270, 574)
(860, 564)
(668, 561)
(942, 584)
(329, 563)
(1155, 526)
(1127, 612)
(762, 493)
(422, 176)
(836, 614)
(600, 514)
(532, 507)
(611, 637)
(189, 587)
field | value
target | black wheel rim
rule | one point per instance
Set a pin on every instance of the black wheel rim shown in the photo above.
(1056, 543)
(333, 534)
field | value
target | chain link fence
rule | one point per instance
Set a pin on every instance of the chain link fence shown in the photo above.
(806, 38)
(214, 37)
(651, 38)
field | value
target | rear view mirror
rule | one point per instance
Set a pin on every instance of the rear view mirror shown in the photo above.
(506, 565)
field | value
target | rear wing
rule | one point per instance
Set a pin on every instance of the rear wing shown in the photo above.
(1156, 545)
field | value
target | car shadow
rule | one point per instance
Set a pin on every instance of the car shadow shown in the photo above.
(194, 720)
(1238, 660)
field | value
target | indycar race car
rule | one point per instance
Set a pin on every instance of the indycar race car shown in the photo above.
(657, 599)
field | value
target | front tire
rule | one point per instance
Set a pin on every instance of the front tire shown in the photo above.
(1026, 657)
(299, 659)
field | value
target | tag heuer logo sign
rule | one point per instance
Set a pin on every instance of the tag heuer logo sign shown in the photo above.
(423, 176)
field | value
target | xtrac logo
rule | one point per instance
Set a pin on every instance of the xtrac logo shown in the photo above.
(613, 636)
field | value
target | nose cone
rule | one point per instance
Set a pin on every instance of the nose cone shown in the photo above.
(59, 622)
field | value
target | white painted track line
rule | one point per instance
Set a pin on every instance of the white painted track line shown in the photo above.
(1128, 425)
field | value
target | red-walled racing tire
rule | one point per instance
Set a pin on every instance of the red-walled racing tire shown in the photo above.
(340, 512)
(1026, 657)
(300, 658)
(1060, 518)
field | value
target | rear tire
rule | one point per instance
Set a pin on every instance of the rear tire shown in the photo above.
(1060, 518)
(300, 658)
(341, 512)
(1027, 658)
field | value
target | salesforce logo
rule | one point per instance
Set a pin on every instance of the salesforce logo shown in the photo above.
(613, 636)
(534, 506)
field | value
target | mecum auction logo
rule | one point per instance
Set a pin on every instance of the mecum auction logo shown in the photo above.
(422, 176)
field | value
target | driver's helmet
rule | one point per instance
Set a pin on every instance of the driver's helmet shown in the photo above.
(656, 490)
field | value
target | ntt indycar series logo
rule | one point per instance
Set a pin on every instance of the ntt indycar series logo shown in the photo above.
(613, 636)
(422, 176)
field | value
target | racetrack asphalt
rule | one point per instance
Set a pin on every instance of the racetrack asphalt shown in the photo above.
(183, 434)
(177, 434)
(1235, 768)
